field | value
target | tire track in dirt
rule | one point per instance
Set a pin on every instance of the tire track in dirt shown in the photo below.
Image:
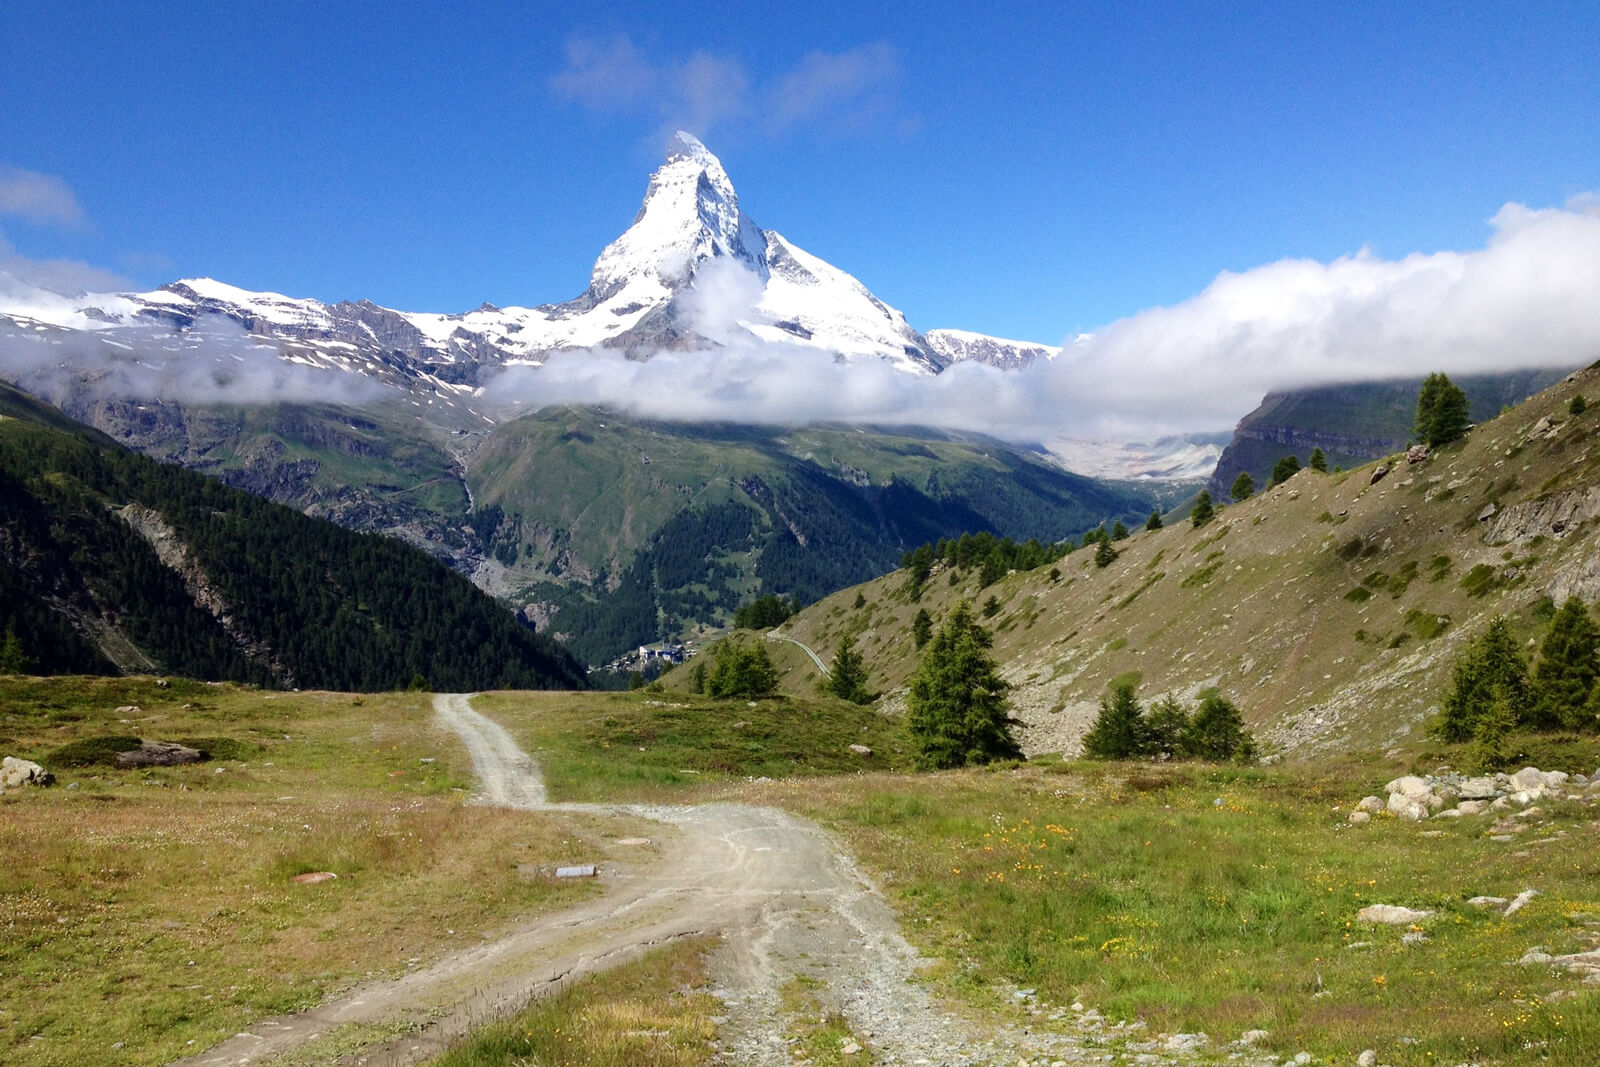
(787, 899)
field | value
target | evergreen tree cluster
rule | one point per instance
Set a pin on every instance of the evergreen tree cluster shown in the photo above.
(765, 612)
(993, 556)
(956, 710)
(1124, 730)
(740, 669)
(308, 602)
(1492, 691)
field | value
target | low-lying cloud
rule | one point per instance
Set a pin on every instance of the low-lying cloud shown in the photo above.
(38, 198)
(218, 362)
(1529, 298)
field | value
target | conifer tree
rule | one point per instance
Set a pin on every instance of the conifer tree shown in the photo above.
(848, 678)
(1442, 411)
(1284, 469)
(1216, 732)
(1244, 487)
(1166, 727)
(12, 659)
(1119, 532)
(1491, 669)
(1104, 554)
(956, 711)
(1318, 461)
(1154, 521)
(1568, 668)
(921, 628)
(1203, 509)
(1119, 730)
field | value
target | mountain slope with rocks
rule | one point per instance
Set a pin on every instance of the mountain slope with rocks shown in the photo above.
(1329, 608)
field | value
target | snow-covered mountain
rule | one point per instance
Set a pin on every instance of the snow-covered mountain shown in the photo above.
(642, 298)
(958, 346)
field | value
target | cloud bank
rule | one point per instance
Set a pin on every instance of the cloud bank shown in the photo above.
(1529, 298)
(38, 198)
(854, 91)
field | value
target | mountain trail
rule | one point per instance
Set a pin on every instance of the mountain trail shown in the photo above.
(787, 900)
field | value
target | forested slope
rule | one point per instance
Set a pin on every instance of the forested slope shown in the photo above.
(112, 561)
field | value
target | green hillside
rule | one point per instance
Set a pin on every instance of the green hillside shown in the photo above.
(656, 528)
(1329, 608)
(110, 561)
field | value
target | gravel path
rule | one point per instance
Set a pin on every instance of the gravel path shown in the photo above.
(787, 899)
(774, 635)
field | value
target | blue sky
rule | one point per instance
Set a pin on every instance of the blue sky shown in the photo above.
(1030, 171)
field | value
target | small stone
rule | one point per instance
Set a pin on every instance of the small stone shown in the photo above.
(1254, 1037)
(1360, 818)
(1301, 1059)
(313, 877)
(1473, 807)
(849, 1048)
(861, 750)
(1369, 1058)
(1535, 956)
(1413, 937)
(1487, 902)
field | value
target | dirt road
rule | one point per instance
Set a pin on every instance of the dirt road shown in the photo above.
(787, 898)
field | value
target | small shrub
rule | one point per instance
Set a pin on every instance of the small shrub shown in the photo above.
(1349, 550)
(1480, 581)
(1359, 595)
(1438, 568)
(92, 751)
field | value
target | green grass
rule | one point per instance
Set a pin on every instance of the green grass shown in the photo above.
(153, 908)
(620, 746)
(655, 1012)
(1138, 894)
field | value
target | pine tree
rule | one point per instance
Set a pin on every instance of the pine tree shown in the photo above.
(1166, 726)
(921, 628)
(1244, 487)
(741, 669)
(1203, 510)
(1567, 670)
(1284, 469)
(848, 678)
(1154, 521)
(1104, 554)
(1442, 411)
(1119, 731)
(1217, 731)
(1490, 669)
(12, 658)
(1318, 461)
(956, 710)
(1119, 532)
(1488, 753)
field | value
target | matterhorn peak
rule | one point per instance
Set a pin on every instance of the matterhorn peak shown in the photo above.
(685, 145)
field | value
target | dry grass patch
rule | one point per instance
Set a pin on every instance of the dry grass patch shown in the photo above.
(150, 914)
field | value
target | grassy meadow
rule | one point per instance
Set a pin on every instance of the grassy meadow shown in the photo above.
(146, 914)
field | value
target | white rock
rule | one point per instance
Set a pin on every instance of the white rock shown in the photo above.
(1369, 1058)
(1371, 805)
(1254, 1037)
(1535, 956)
(1473, 807)
(1409, 785)
(1360, 818)
(1520, 901)
(1406, 807)
(1392, 914)
(16, 772)
(1449, 813)
(1484, 788)
(1488, 902)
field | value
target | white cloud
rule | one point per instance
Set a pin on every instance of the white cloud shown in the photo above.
(1530, 297)
(38, 198)
(845, 92)
(19, 273)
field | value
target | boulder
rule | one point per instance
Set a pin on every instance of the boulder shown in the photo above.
(1370, 805)
(1409, 785)
(1488, 902)
(1484, 788)
(159, 754)
(1530, 780)
(1416, 453)
(1473, 807)
(1409, 808)
(1379, 473)
(1521, 901)
(1391, 914)
(861, 750)
(1360, 818)
(16, 772)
